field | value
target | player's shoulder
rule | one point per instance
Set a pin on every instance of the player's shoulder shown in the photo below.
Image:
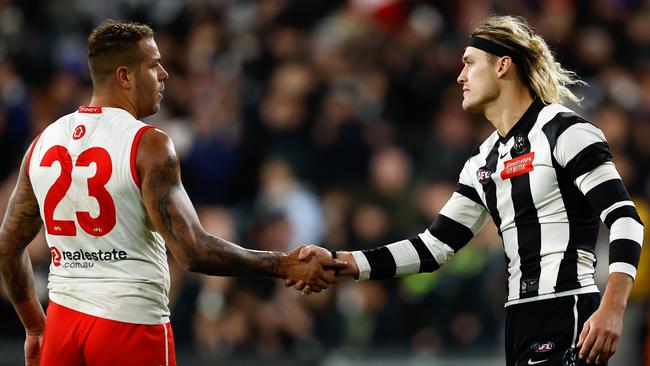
(155, 138)
(61, 122)
(556, 115)
(556, 119)
(481, 151)
(156, 157)
(156, 147)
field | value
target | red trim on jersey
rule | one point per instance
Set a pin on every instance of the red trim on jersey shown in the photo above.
(134, 154)
(31, 150)
(91, 110)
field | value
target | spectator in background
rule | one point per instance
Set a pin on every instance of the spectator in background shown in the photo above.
(281, 191)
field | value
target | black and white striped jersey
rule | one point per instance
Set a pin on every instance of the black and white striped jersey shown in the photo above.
(546, 185)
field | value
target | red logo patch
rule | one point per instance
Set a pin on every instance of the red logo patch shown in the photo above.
(518, 166)
(56, 256)
(79, 132)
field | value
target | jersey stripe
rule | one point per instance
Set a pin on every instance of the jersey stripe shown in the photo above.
(620, 212)
(470, 193)
(407, 259)
(623, 267)
(381, 262)
(625, 250)
(572, 141)
(428, 263)
(588, 159)
(31, 151)
(490, 188)
(134, 154)
(606, 171)
(451, 232)
(528, 228)
(607, 193)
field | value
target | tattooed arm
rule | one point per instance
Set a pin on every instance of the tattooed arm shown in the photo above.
(20, 225)
(174, 217)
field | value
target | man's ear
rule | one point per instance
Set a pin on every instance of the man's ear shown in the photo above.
(124, 78)
(504, 63)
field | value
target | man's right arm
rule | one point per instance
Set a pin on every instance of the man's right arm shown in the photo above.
(457, 223)
(174, 216)
(21, 223)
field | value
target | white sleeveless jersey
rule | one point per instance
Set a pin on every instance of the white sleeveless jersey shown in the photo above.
(107, 259)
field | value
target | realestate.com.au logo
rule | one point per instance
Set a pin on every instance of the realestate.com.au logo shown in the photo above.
(83, 259)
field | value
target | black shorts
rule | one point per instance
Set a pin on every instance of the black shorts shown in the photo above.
(545, 332)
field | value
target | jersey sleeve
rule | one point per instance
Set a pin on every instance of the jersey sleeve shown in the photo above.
(583, 151)
(457, 223)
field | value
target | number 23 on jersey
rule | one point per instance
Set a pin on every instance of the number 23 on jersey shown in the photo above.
(95, 226)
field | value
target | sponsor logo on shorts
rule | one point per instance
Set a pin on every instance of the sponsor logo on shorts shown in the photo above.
(85, 259)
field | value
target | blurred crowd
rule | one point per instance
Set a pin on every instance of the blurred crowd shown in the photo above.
(332, 122)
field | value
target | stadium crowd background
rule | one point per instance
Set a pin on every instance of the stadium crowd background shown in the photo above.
(333, 122)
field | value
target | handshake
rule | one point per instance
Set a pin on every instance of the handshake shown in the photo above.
(312, 268)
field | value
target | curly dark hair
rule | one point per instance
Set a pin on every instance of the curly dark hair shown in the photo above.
(112, 44)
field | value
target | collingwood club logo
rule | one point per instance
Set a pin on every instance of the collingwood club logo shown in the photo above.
(84, 259)
(520, 144)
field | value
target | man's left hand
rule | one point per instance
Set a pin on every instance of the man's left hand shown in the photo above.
(600, 334)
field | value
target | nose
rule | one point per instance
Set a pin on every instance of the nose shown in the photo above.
(163, 75)
(461, 79)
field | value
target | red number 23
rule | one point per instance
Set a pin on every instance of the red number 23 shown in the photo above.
(95, 226)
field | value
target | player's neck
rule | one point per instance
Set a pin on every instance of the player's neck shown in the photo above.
(113, 101)
(506, 110)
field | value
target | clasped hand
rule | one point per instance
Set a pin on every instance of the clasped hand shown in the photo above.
(319, 267)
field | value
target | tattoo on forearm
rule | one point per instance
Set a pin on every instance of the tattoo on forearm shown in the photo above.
(165, 216)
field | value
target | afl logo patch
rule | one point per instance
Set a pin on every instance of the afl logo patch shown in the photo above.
(542, 347)
(483, 175)
(79, 132)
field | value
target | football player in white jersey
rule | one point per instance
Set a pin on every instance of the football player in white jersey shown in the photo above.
(108, 188)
